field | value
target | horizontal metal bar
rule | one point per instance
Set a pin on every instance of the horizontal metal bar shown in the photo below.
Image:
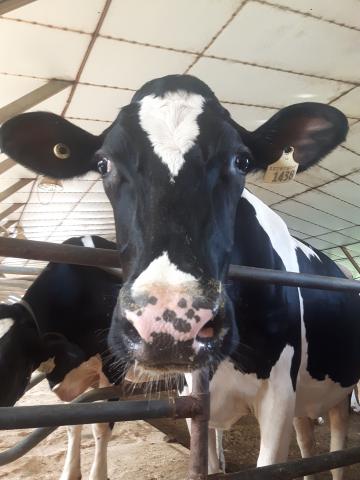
(34, 438)
(305, 280)
(9, 269)
(75, 414)
(296, 468)
(59, 253)
(99, 257)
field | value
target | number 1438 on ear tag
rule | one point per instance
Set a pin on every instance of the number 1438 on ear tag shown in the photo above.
(283, 170)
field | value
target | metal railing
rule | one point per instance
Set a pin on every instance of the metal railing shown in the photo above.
(195, 406)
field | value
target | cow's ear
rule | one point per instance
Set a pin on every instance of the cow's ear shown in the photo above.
(312, 129)
(49, 144)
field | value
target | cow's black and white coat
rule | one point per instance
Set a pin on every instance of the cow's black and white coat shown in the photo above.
(174, 165)
(61, 324)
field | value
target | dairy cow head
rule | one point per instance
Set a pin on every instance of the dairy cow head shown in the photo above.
(173, 165)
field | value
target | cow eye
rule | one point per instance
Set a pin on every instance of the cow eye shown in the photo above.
(242, 162)
(103, 166)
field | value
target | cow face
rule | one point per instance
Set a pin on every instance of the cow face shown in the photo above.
(174, 166)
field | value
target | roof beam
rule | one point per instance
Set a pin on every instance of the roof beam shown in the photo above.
(9, 5)
(8, 211)
(15, 187)
(6, 165)
(33, 98)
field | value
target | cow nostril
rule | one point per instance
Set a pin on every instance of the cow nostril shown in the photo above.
(207, 331)
(131, 332)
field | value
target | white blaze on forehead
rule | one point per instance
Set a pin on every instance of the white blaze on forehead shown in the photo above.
(161, 270)
(5, 325)
(171, 124)
(308, 251)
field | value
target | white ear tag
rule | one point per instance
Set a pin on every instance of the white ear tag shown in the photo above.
(283, 170)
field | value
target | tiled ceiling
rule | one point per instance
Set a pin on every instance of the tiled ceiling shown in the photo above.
(257, 55)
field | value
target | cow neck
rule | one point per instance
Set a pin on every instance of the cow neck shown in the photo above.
(30, 311)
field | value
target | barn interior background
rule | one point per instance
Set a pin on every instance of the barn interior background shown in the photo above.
(84, 59)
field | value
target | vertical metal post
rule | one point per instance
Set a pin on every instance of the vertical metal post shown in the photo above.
(198, 465)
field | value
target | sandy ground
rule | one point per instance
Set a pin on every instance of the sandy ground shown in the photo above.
(137, 451)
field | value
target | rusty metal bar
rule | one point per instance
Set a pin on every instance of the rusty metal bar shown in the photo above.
(351, 259)
(198, 464)
(9, 5)
(296, 468)
(99, 257)
(33, 98)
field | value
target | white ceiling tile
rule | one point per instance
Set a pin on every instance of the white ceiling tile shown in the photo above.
(41, 51)
(317, 217)
(41, 215)
(133, 65)
(296, 234)
(94, 127)
(54, 104)
(98, 102)
(185, 25)
(16, 172)
(350, 103)
(335, 253)
(354, 249)
(303, 226)
(249, 117)
(315, 176)
(341, 161)
(96, 197)
(318, 243)
(98, 187)
(61, 13)
(48, 209)
(284, 39)
(346, 12)
(265, 195)
(344, 190)
(13, 87)
(336, 238)
(235, 82)
(91, 207)
(353, 232)
(331, 205)
(92, 215)
(353, 139)
(350, 267)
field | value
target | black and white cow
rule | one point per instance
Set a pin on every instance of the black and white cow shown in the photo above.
(62, 322)
(174, 165)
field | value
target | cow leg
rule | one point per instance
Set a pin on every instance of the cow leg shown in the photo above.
(304, 428)
(339, 418)
(102, 434)
(216, 462)
(274, 409)
(72, 467)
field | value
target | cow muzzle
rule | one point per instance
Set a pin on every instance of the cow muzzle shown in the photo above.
(171, 328)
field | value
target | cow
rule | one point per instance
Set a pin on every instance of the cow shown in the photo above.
(61, 326)
(174, 165)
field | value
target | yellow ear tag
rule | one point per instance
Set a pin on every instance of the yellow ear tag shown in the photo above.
(283, 170)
